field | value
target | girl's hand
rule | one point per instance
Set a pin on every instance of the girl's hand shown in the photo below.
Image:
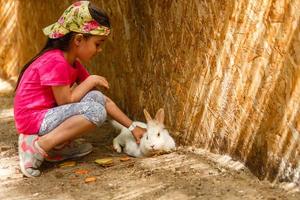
(138, 133)
(99, 81)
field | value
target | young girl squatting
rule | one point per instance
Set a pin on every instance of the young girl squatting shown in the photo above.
(49, 112)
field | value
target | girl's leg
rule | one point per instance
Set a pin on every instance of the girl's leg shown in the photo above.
(70, 129)
(32, 149)
(61, 124)
(67, 122)
(91, 106)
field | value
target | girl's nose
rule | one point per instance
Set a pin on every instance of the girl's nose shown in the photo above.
(99, 50)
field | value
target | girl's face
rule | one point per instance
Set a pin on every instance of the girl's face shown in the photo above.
(89, 47)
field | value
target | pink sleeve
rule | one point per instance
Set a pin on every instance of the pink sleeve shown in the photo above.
(54, 74)
(82, 72)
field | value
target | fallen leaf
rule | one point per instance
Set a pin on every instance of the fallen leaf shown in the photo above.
(81, 171)
(67, 164)
(90, 179)
(105, 162)
(123, 159)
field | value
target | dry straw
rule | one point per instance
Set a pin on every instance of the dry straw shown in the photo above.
(226, 72)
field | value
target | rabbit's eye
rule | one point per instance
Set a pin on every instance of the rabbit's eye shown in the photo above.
(158, 134)
(147, 137)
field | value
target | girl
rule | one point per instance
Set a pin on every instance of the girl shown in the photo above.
(49, 112)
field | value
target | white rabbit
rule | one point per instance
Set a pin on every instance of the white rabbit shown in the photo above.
(155, 139)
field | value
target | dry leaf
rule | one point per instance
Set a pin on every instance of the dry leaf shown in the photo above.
(81, 171)
(90, 179)
(67, 164)
(105, 162)
(123, 159)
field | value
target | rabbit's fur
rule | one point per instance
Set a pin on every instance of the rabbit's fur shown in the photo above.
(156, 138)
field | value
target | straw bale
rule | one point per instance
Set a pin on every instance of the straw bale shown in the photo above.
(226, 72)
(8, 17)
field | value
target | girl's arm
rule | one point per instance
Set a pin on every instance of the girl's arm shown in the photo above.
(64, 94)
(114, 111)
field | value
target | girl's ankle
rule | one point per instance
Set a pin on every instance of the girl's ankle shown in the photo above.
(40, 149)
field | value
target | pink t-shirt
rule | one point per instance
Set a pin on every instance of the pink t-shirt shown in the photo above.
(34, 94)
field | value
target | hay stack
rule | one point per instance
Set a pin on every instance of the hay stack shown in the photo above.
(226, 72)
(8, 18)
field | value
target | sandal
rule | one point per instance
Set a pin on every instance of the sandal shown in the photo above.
(30, 154)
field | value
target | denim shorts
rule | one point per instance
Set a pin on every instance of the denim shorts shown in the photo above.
(91, 106)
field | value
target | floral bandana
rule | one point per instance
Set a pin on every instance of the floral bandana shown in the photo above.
(76, 18)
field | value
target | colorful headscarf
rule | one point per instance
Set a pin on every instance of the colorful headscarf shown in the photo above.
(76, 18)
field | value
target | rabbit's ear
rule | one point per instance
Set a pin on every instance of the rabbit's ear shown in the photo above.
(147, 115)
(160, 115)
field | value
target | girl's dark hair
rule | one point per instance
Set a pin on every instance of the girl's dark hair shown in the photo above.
(63, 43)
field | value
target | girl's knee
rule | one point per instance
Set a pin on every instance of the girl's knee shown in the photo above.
(108, 101)
(96, 113)
(95, 96)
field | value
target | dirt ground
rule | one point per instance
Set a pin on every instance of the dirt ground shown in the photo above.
(186, 173)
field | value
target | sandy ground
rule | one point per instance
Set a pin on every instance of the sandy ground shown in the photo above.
(184, 174)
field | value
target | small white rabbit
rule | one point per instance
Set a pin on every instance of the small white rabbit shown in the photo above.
(156, 138)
